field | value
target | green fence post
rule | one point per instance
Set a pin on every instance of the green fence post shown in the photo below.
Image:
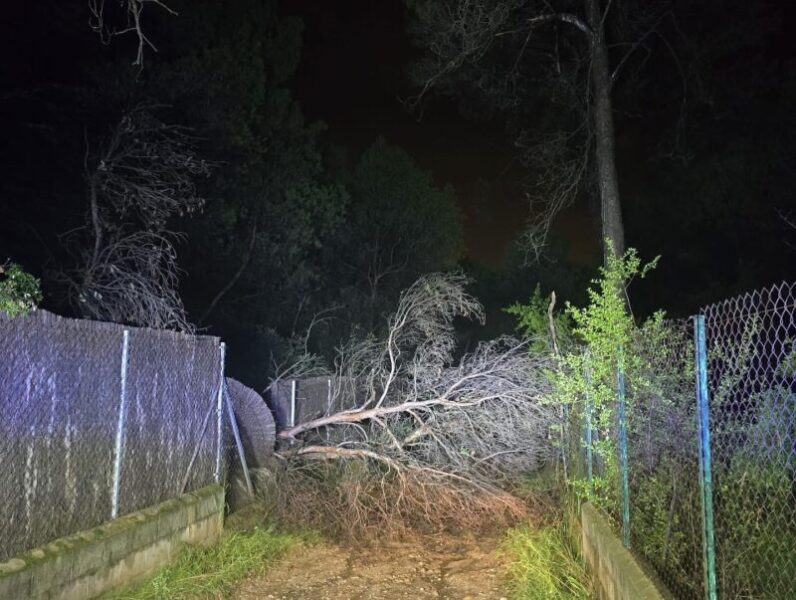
(620, 392)
(588, 425)
(705, 470)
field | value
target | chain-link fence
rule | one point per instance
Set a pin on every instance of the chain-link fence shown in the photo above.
(296, 401)
(98, 420)
(751, 363)
(664, 494)
(708, 428)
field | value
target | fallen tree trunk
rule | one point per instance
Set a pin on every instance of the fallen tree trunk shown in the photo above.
(433, 441)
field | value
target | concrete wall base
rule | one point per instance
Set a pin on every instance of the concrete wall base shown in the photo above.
(94, 561)
(616, 572)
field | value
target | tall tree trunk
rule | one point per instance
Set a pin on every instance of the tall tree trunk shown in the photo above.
(602, 115)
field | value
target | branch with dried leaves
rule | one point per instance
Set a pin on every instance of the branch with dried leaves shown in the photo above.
(463, 429)
(143, 175)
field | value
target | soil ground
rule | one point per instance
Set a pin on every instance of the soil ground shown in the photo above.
(441, 567)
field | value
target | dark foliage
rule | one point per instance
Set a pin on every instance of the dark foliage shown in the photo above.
(289, 228)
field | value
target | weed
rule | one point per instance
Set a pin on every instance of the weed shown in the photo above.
(543, 566)
(213, 572)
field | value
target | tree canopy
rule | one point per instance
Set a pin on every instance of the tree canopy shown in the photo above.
(264, 229)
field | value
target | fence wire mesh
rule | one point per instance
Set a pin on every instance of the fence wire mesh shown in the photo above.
(751, 367)
(663, 466)
(299, 400)
(171, 423)
(70, 421)
(751, 375)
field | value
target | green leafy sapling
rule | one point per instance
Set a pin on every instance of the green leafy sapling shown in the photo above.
(533, 321)
(587, 367)
(606, 327)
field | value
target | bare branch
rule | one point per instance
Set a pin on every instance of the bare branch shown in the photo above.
(564, 18)
(561, 173)
(142, 176)
(132, 12)
(298, 361)
(552, 324)
(134, 279)
(789, 221)
(430, 425)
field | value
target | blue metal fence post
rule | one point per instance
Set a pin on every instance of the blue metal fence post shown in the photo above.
(620, 392)
(588, 414)
(705, 470)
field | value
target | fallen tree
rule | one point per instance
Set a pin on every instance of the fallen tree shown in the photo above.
(433, 442)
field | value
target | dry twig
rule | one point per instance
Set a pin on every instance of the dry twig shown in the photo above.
(436, 437)
(141, 177)
(132, 11)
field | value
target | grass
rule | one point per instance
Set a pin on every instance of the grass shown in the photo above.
(543, 566)
(213, 572)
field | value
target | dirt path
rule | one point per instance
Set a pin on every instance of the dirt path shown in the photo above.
(441, 567)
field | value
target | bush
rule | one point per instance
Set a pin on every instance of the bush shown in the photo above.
(756, 530)
(667, 524)
(19, 291)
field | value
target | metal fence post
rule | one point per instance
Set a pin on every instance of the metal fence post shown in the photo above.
(623, 466)
(220, 413)
(705, 468)
(328, 402)
(292, 402)
(588, 432)
(120, 425)
(564, 439)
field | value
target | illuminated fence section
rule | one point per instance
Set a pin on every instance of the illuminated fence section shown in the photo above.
(664, 467)
(98, 420)
(751, 368)
(711, 447)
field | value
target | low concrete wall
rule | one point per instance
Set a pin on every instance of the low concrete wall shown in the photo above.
(87, 564)
(616, 573)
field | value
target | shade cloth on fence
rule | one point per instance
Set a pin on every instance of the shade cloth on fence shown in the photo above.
(86, 435)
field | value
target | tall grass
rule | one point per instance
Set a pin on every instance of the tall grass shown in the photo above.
(213, 572)
(543, 566)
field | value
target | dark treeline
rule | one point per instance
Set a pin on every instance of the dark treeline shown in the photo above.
(282, 229)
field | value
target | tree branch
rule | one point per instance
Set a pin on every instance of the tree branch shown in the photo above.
(564, 18)
(132, 12)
